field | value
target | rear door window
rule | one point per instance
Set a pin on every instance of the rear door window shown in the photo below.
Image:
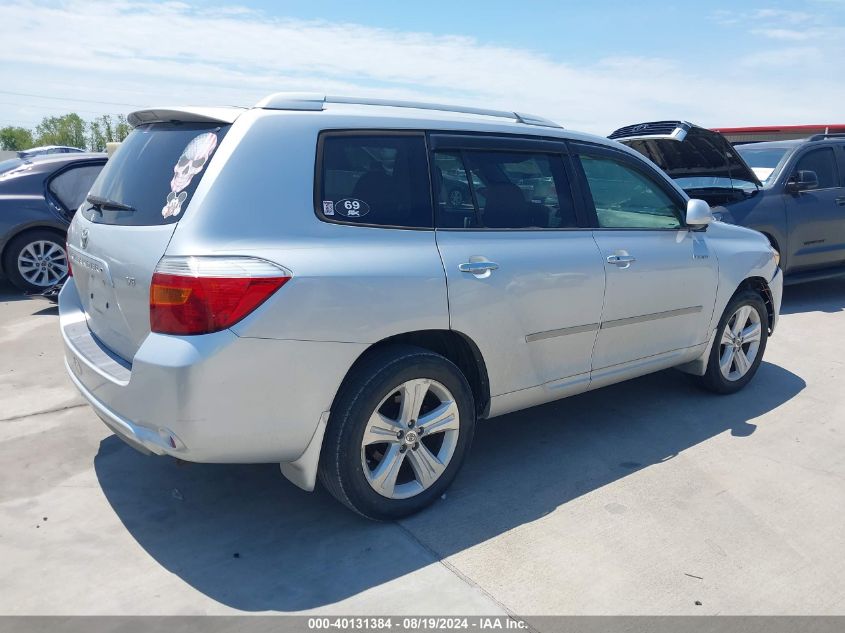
(72, 185)
(155, 171)
(502, 190)
(374, 179)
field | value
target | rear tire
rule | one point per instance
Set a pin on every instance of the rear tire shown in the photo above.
(741, 339)
(378, 457)
(36, 260)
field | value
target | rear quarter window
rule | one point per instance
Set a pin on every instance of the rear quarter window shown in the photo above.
(155, 171)
(373, 179)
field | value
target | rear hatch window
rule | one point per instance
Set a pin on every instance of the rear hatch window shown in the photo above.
(153, 175)
(116, 241)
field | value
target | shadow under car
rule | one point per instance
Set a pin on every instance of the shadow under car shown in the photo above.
(249, 539)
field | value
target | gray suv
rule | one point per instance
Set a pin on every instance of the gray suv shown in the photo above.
(298, 283)
(791, 191)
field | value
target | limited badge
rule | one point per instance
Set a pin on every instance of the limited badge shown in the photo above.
(352, 208)
(328, 207)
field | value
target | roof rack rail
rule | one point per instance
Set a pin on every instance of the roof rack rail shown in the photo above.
(316, 102)
(821, 137)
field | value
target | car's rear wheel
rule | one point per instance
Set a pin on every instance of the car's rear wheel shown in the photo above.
(398, 433)
(36, 260)
(740, 342)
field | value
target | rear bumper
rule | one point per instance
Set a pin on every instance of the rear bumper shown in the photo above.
(211, 398)
(140, 437)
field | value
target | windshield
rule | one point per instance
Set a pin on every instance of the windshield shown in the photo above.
(715, 182)
(762, 160)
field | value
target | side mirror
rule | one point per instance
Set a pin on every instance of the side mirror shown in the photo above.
(699, 213)
(802, 180)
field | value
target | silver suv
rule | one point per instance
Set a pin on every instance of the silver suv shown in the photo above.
(344, 286)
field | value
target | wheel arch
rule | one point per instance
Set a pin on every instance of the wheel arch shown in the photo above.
(452, 345)
(773, 241)
(778, 243)
(761, 287)
(455, 346)
(698, 366)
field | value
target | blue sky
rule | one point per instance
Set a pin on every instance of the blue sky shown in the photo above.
(589, 65)
(571, 30)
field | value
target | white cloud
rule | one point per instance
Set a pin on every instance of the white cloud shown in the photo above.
(784, 34)
(784, 16)
(788, 58)
(145, 53)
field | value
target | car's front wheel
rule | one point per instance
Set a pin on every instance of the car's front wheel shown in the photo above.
(740, 342)
(36, 260)
(398, 433)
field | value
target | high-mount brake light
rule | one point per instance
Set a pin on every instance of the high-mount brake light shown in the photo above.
(199, 295)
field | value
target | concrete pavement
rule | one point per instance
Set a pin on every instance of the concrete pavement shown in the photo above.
(642, 498)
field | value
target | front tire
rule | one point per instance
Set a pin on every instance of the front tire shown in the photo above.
(741, 339)
(399, 430)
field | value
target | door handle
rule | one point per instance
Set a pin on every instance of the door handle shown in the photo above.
(623, 261)
(841, 201)
(478, 268)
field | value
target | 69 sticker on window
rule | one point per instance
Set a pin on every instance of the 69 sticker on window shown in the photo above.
(351, 208)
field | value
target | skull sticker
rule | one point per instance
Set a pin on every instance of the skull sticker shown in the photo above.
(194, 157)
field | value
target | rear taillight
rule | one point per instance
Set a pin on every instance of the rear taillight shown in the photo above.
(69, 263)
(198, 295)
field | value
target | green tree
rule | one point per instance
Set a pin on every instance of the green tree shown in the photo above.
(15, 138)
(68, 129)
(106, 129)
(121, 128)
(96, 137)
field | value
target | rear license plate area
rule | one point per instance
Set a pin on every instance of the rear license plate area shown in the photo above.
(94, 273)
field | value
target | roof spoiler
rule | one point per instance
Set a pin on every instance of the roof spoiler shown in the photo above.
(224, 115)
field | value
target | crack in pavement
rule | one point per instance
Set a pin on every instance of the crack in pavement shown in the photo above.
(67, 407)
(457, 572)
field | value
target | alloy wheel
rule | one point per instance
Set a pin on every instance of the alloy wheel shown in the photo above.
(410, 438)
(42, 263)
(740, 343)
